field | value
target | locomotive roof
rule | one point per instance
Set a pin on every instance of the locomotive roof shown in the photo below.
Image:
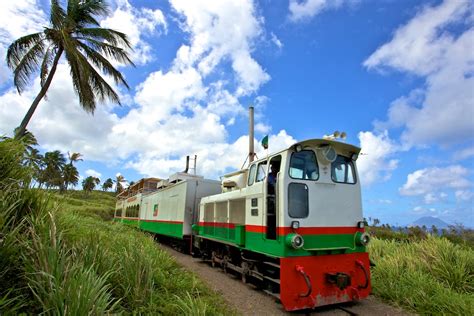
(341, 147)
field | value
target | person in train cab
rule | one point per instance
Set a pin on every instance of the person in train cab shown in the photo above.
(272, 178)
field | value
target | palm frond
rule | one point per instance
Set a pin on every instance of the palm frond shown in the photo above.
(47, 60)
(103, 64)
(27, 66)
(57, 16)
(115, 38)
(80, 81)
(117, 53)
(83, 12)
(20, 47)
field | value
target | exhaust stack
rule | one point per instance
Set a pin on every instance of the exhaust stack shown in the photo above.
(187, 165)
(251, 135)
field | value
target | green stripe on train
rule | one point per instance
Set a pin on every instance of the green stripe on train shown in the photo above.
(163, 228)
(253, 241)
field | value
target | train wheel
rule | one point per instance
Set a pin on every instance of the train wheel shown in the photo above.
(213, 262)
(245, 271)
(224, 264)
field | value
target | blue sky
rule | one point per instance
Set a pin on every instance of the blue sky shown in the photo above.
(397, 76)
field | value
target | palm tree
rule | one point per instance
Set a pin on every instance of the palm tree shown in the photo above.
(108, 184)
(54, 162)
(89, 183)
(70, 176)
(118, 182)
(76, 33)
(74, 157)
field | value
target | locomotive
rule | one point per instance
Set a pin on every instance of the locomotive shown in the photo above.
(290, 223)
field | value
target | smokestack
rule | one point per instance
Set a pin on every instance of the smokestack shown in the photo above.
(187, 165)
(251, 135)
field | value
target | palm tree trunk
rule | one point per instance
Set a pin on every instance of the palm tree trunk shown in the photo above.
(41, 94)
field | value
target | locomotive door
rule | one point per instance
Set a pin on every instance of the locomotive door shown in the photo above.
(272, 196)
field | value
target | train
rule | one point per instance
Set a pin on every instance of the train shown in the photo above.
(290, 223)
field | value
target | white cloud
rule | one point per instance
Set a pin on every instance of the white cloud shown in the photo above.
(375, 163)
(138, 24)
(430, 180)
(222, 30)
(19, 18)
(433, 197)
(306, 9)
(275, 40)
(442, 112)
(463, 195)
(463, 154)
(93, 173)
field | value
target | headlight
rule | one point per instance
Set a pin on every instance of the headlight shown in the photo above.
(361, 224)
(363, 239)
(295, 241)
(295, 224)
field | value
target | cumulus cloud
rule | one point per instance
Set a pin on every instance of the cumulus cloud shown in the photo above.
(429, 180)
(93, 173)
(139, 25)
(375, 163)
(219, 31)
(306, 9)
(19, 18)
(428, 46)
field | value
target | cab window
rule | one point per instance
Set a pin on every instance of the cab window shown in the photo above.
(261, 171)
(303, 165)
(342, 170)
(253, 170)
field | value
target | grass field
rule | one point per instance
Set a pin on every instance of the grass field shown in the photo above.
(430, 277)
(59, 256)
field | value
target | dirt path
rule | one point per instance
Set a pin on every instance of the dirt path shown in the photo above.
(249, 301)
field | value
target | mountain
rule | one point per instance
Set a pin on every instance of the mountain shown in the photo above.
(429, 221)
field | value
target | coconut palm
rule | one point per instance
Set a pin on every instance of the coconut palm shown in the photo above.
(74, 157)
(54, 163)
(118, 183)
(108, 184)
(86, 47)
(89, 183)
(70, 176)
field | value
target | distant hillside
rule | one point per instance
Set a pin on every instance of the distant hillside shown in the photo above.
(429, 221)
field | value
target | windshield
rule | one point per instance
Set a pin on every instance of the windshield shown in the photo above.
(303, 165)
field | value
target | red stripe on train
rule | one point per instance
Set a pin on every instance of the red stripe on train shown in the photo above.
(306, 230)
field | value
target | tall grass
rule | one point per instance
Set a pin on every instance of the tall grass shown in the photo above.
(58, 256)
(145, 277)
(431, 276)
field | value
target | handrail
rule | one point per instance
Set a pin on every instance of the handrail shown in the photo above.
(300, 269)
(361, 265)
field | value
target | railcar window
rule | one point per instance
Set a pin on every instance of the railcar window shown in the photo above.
(261, 171)
(342, 170)
(253, 170)
(298, 200)
(303, 165)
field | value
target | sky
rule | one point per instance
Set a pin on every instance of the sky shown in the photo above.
(396, 76)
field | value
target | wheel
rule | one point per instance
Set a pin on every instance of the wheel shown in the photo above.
(245, 271)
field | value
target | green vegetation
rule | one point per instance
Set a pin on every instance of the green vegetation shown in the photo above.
(58, 255)
(431, 275)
